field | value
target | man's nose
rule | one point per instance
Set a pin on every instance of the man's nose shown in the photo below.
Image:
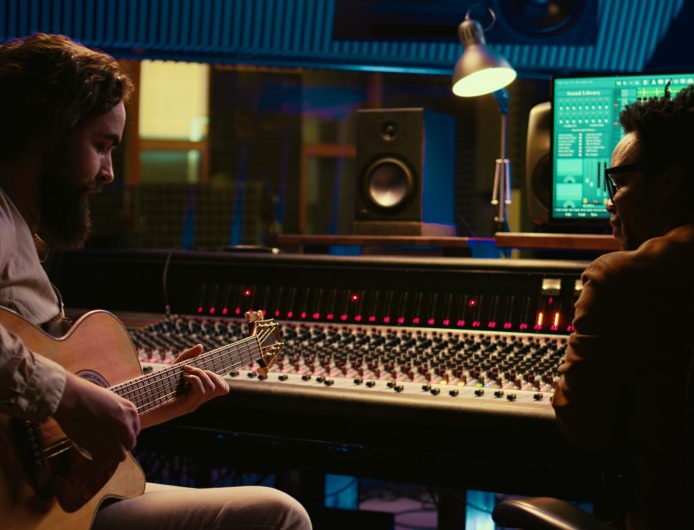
(610, 206)
(106, 174)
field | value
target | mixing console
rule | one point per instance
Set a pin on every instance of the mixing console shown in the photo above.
(515, 367)
(440, 369)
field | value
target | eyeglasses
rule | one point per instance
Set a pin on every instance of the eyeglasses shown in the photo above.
(610, 184)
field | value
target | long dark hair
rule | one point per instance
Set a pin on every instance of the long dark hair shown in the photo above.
(49, 84)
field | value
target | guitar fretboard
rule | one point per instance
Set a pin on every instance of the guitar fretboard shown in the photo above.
(158, 388)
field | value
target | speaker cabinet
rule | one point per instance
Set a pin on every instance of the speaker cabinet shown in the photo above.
(538, 160)
(405, 172)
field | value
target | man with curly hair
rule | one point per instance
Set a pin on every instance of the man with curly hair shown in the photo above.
(62, 111)
(627, 373)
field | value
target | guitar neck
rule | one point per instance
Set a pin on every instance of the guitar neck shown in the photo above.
(158, 388)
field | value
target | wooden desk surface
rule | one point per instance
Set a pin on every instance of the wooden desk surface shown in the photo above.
(370, 240)
(556, 241)
(501, 239)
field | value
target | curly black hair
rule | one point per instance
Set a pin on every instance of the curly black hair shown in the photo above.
(49, 84)
(664, 128)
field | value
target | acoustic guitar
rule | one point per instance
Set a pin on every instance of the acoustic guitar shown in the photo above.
(46, 481)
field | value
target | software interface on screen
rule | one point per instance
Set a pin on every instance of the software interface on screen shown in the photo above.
(585, 131)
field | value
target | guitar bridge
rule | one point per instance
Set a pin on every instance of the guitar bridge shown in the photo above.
(29, 446)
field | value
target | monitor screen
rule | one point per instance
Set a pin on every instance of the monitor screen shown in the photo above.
(585, 130)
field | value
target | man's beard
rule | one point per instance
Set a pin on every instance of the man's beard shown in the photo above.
(65, 216)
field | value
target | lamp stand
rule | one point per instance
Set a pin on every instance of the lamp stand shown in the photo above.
(501, 192)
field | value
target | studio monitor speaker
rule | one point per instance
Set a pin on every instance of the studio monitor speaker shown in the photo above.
(538, 163)
(405, 172)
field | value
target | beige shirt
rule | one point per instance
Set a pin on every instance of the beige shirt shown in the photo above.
(30, 385)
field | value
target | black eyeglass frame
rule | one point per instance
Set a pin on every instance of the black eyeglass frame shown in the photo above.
(610, 185)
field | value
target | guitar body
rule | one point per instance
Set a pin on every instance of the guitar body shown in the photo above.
(64, 490)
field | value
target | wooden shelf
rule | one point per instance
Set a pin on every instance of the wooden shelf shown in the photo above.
(369, 240)
(521, 240)
(556, 241)
(478, 247)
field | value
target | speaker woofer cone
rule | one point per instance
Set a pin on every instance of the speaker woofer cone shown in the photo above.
(389, 183)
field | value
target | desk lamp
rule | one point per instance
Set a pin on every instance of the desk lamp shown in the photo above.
(482, 71)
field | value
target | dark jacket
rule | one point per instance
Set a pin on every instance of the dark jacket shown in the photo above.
(623, 381)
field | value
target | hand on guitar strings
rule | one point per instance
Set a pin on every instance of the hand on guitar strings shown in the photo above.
(98, 421)
(201, 386)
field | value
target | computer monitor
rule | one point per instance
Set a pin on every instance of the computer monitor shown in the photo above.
(585, 130)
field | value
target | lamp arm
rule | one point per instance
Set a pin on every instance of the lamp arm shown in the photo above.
(501, 194)
(502, 98)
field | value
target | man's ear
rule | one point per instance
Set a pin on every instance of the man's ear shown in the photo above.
(672, 181)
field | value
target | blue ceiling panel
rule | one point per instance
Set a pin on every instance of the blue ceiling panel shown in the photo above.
(298, 33)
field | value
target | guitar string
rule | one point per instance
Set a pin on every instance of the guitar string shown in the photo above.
(202, 360)
(172, 374)
(170, 377)
(146, 402)
(152, 380)
(161, 400)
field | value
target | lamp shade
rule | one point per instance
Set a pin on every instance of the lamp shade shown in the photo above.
(479, 70)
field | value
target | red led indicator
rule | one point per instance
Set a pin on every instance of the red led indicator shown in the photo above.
(570, 328)
(508, 325)
(330, 316)
(415, 320)
(401, 320)
(290, 314)
(357, 318)
(491, 325)
(199, 309)
(277, 313)
(343, 316)
(476, 323)
(460, 323)
(472, 303)
(446, 322)
(303, 314)
(372, 318)
(212, 310)
(247, 293)
(316, 316)
(431, 322)
(354, 297)
(523, 326)
(386, 320)
(237, 310)
(225, 311)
